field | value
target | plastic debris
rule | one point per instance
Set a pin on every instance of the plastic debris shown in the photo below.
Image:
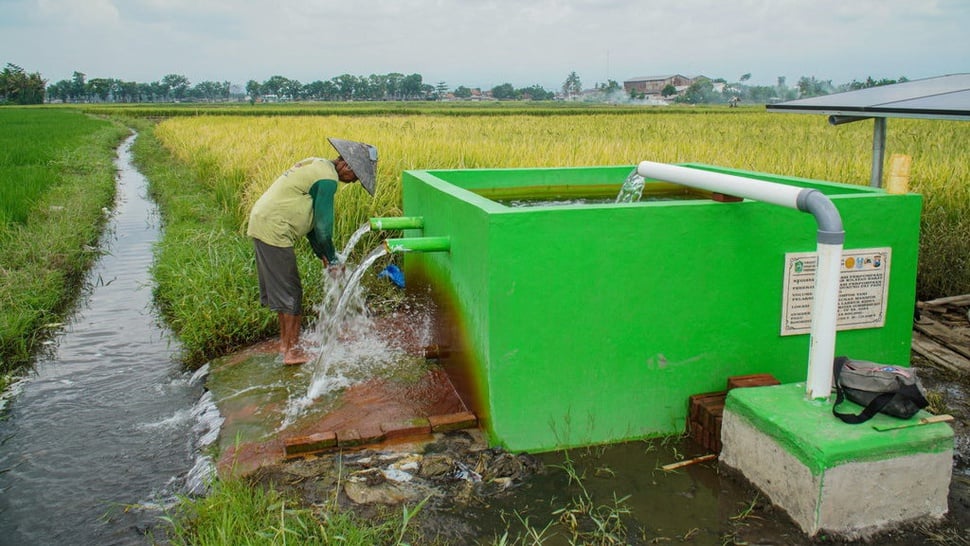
(396, 475)
(394, 274)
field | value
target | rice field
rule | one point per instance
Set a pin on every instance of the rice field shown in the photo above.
(34, 144)
(241, 155)
(56, 177)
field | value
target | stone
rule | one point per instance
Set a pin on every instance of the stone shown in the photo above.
(437, 466)
(370, 477)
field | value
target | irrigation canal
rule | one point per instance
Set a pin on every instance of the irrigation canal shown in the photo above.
(104, 431)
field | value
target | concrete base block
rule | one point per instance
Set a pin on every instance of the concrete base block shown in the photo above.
(847, 480)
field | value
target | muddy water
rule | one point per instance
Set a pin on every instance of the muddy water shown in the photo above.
(620, 494)
(103, 430)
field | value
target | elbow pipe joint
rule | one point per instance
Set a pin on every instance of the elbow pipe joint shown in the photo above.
(830, 229)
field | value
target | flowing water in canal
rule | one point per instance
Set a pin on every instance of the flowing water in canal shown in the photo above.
(106, 428)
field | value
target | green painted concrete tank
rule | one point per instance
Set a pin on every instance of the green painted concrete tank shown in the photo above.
(577, 321)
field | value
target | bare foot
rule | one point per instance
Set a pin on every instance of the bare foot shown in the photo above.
(295, 357)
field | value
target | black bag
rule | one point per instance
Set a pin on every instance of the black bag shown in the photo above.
(892, 390)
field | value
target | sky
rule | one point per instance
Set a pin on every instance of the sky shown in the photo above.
(486, 43)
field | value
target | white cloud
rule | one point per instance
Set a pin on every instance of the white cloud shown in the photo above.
(488, 42)
(79, 12)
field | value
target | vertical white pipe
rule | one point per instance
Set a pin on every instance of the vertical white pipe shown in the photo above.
(830, 238)
(821, 351)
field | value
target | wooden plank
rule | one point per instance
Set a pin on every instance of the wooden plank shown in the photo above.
(955, 339)
(961, 300)
(939, 355)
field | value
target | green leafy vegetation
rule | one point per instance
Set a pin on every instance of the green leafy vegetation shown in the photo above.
(56, 182)
(236, 512)
(204, 272)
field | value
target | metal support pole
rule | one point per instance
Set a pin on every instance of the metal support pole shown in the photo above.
(878, 151)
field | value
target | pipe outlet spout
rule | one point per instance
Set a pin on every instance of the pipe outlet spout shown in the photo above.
(418, 244)
(397, 222)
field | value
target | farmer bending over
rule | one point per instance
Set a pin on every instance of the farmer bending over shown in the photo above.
(298, 203)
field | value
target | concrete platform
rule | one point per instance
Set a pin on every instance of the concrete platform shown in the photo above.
(847, 480)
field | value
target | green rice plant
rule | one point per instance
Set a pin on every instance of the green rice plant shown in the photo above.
(32, 140)
(50, 231)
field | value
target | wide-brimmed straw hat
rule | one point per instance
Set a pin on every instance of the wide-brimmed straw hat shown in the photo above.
(361, 157)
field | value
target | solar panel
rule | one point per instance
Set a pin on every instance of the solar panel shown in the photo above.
(942, 97)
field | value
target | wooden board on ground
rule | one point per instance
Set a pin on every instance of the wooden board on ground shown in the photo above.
(941, 334)
(962, 300)
(939, 355)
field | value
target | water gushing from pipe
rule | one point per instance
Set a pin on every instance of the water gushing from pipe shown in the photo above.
(632, 188)
(352, 242)
(348, 348)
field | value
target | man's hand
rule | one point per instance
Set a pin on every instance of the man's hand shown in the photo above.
(335, 271)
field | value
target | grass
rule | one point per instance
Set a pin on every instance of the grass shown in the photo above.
(56, 182)
(236, 512)
(32, 142)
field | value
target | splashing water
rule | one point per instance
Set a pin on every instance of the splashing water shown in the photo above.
(347, 347)
(632, 188)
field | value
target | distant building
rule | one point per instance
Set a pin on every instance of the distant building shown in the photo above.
(654, 85)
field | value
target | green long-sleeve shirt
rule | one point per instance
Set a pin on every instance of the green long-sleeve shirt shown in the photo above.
(299, 203)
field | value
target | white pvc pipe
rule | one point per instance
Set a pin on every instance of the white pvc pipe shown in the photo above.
(821, 351)
(759, 190)
(829, 251)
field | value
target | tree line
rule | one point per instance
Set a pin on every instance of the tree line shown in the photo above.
(19, 87)
(720, 91)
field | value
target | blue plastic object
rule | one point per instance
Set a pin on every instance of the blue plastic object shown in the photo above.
(393, 273)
